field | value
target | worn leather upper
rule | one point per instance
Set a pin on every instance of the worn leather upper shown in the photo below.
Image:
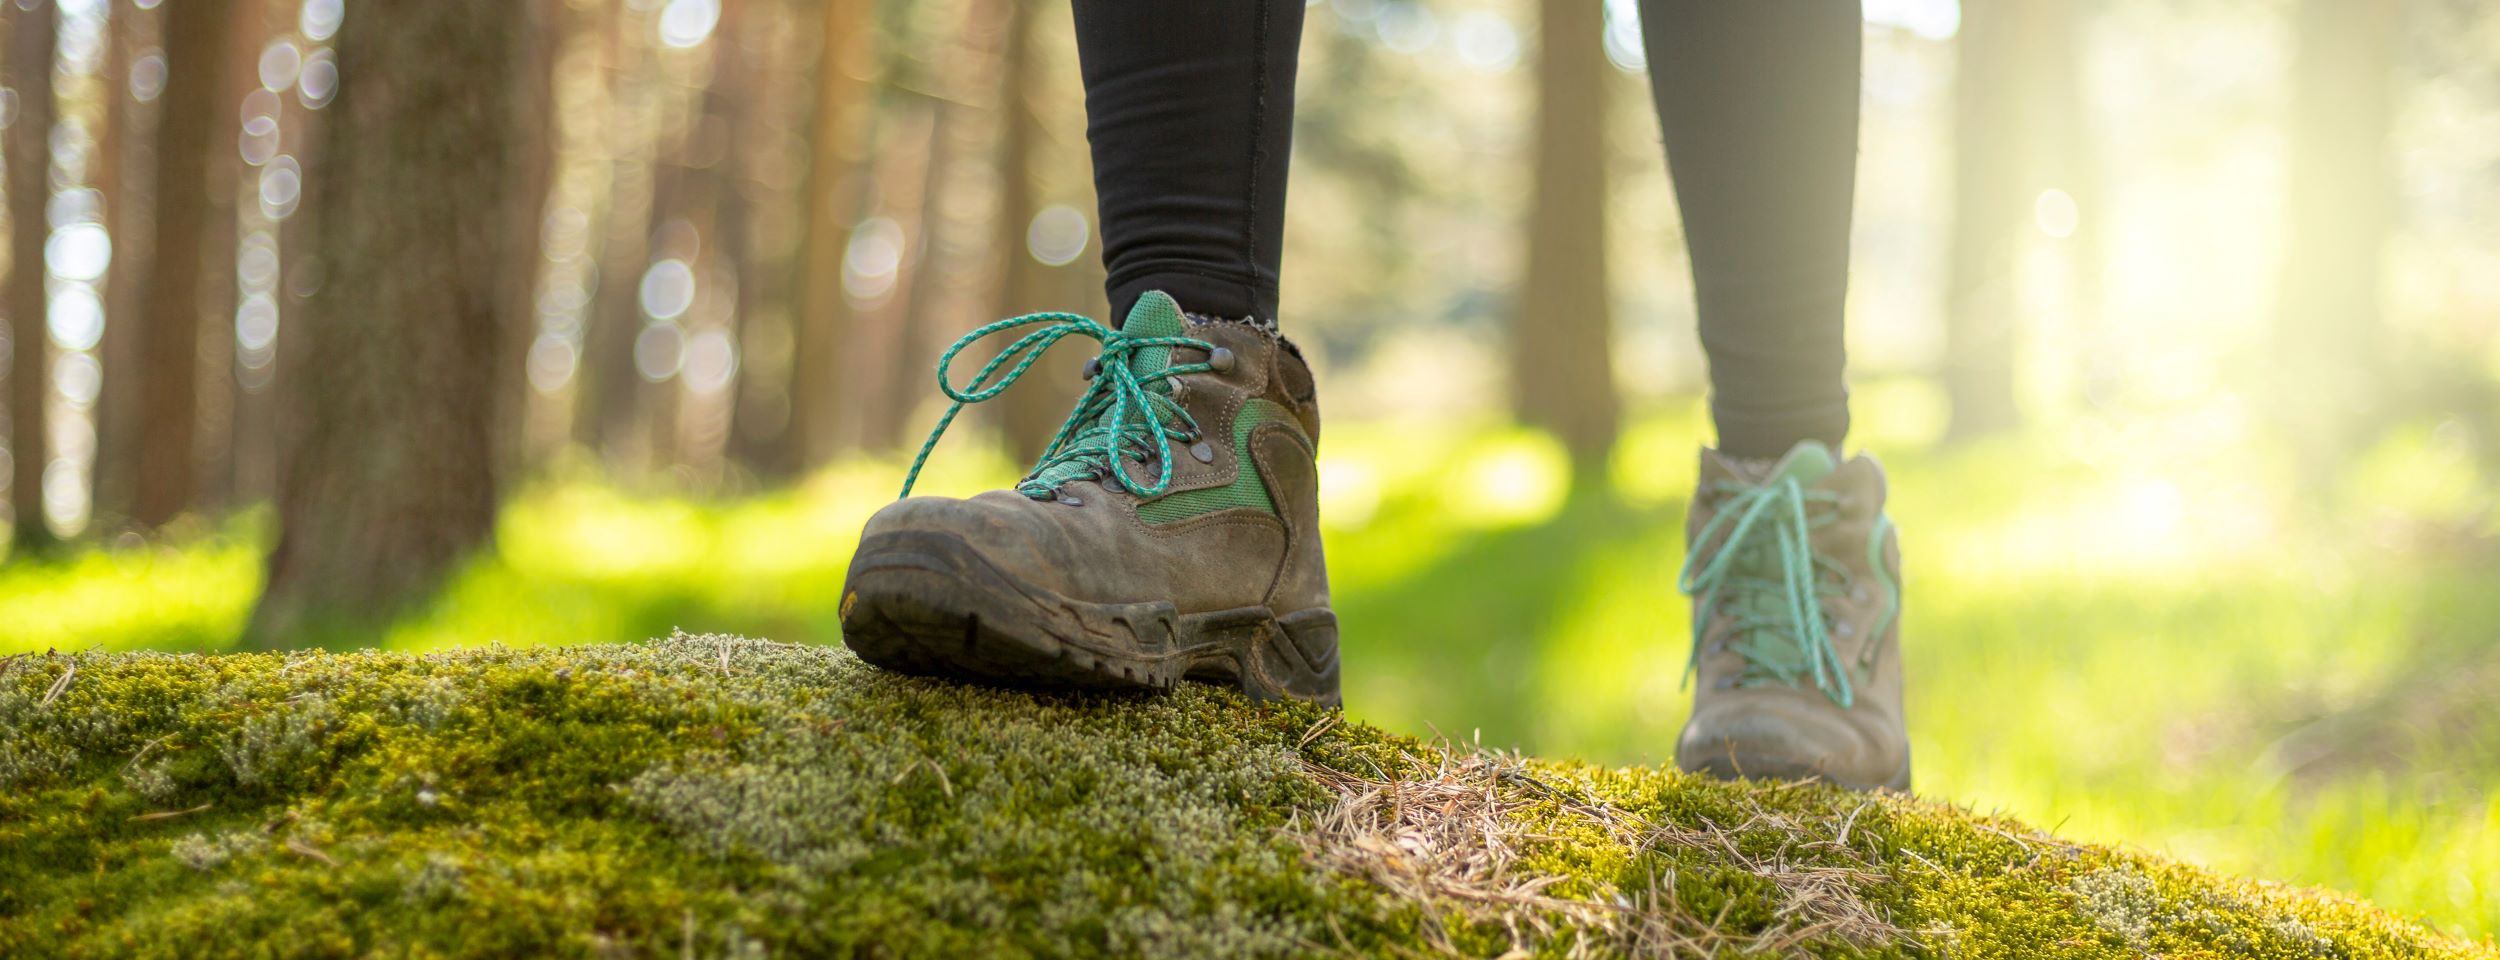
(1099, 549)
(1782, 730)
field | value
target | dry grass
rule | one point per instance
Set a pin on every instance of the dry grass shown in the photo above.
(1452, 835)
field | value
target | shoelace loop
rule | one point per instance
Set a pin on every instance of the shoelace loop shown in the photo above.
(1119, 413)
(1765, 574)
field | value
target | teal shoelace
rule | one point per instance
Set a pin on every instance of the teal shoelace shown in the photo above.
(1766, 576)
(1124, 415)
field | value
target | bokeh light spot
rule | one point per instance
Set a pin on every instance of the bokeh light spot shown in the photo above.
(1485, 41)
(711, 361)
(659, 350)
(281, 187)
(280, 62)
(687, 23)
(2056, 213)
(147, 76)
(552, 360)
(260, 139)
(667, 289)
(79, 377)
(256, 322)
(318, 82)
(1931, 19)
(1623, 36)
(320, 19)
(1407, 28)
(76, 316)
(872, 259)
(1057, 235)
(79, 251)
(65, 495)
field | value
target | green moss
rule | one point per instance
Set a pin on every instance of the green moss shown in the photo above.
(722, 797)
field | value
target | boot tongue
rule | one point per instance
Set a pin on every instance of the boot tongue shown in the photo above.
(1809, 462)
(1155, 315)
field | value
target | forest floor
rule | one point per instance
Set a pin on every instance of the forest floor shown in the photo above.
(716, 796)
(2146, 636)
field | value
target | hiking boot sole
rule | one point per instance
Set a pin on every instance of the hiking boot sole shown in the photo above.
(1725, 767)
(927, 603)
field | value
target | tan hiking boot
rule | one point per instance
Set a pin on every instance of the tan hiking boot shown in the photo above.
(1795, 575)
(1172, 530)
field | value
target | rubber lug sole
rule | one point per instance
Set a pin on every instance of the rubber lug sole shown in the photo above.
(1726, 767)
(926, 603)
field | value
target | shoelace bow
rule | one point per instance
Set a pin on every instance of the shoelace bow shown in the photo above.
(1768, 578)
(1120, 412)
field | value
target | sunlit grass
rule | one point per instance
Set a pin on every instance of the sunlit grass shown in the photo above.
(2139, 635)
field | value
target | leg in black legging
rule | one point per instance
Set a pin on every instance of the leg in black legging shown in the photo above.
(1190, 111)
(1759, 103)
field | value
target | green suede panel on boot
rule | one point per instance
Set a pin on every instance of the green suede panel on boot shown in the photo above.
(1247, 491)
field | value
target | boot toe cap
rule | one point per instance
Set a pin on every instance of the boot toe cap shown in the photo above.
(999, 525)
(1785, 738)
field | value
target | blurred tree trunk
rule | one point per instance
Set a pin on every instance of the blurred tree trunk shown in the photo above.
(1021, 287)
(755, 102)
(2065, 139)
(609, 381)
(125, 157)
(678, 190)
(1031, 412)
(2331, 375)
(223, 438)
(33, 30)
(390, 479)
(1562, 368)
(945, 262)
(839, 139)
(257, 449)
(1989, 207)
(196, 44)
(534, 172)
(891, 381)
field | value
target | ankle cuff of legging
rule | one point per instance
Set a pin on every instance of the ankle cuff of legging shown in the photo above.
(1768, 435)
(1198, 293)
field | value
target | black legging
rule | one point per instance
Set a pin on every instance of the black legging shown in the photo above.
(1190, 106)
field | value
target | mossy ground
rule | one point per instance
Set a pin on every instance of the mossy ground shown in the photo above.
(713, 796)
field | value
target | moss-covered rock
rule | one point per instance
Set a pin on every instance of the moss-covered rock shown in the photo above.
(713, 796)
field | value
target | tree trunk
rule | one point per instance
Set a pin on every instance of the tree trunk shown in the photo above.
(610, 386)
(1032, 410)
(389, 482)
(534, 172)
(32, 33)
(125, 157)
(1988, 210)
(196, 42)
(2331, 373)
(2063, 137)
(1562, 368)
(758, 231)
(223, 436)
(839, 146)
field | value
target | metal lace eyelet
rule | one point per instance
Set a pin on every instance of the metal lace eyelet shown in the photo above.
(1069, 498)
(1222, 360)
(1204, 451)
(1093, 367)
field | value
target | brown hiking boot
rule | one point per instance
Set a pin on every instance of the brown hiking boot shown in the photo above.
(1795, 575)
(1171, 530)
